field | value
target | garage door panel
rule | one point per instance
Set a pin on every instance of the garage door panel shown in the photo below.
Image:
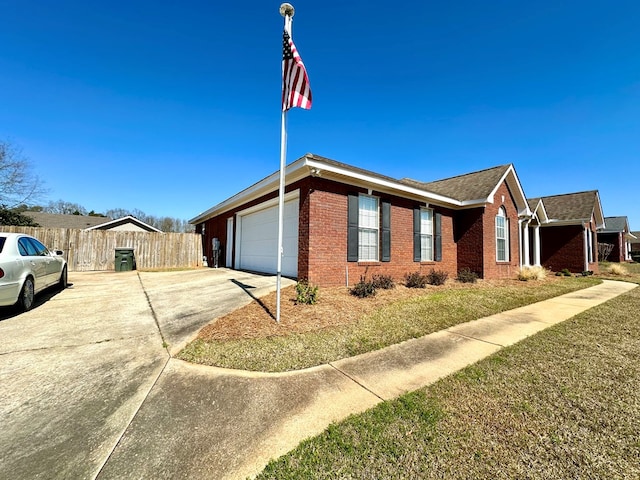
(259, 240)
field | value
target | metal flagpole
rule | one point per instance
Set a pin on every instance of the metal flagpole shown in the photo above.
(287, 11)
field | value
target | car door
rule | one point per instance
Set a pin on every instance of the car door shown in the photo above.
(51, 264)
(34, 263)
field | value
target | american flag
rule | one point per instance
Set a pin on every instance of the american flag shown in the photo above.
(296, 91)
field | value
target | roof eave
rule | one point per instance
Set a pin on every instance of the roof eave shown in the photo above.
(311, 166)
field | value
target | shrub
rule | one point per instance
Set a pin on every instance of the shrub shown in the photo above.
(617, 269)
(531, 273)
(437, 277)
(383, 281)
(565, 272)
(363, 288)
(466, 275)
(306, 294)
(586, 273)
(415, 280)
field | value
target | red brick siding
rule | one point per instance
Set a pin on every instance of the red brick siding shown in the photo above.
(328, 238)
(493, 268)
(470, 239)
(563, 247)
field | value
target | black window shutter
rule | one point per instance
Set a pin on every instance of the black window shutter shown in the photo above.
(352, 230)
(386, 232)
(437, 239)
(417, 255)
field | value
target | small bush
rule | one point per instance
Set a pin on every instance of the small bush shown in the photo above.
(565, 272)
(617, 269)
(437, 277)
(306, 294)
(466, 275)
(586, 273)
(532, 273)
(363, 289)
(383, 281)
(415, 280)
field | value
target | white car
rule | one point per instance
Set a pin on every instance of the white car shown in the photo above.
(26, 268)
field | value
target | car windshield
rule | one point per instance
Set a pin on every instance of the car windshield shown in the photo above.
(2, 240)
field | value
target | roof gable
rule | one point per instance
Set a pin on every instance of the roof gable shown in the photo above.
(615, 224)
(119, 222)
(573, 208)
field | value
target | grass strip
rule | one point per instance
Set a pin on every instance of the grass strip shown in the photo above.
(561, 404)
(392, 324)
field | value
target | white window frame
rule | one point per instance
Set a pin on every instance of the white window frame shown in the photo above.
(502, 235)
(368, 228)
(426, 235)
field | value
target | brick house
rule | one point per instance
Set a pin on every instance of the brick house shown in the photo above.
(635, 241)
(616, 233)
(567, 229)
(341, 222)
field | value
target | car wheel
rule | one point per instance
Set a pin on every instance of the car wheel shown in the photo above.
(62, 283)
(26, 295)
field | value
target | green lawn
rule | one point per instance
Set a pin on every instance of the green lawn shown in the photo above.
(562, 404)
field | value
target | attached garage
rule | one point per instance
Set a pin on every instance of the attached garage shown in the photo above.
(257, 237)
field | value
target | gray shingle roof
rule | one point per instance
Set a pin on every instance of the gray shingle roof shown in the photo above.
(570, 206)
(471, 186)
(54, 220)
(615, 224)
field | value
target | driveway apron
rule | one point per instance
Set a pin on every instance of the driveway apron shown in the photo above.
(73, 372)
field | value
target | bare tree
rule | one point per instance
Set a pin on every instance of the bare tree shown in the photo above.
(604, 249)
(18, 184)
(65, 208)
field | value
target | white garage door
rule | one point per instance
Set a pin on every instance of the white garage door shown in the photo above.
(258, 240)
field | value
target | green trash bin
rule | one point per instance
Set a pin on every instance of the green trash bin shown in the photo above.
(125, 260)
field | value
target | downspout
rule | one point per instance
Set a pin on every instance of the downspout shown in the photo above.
(520, 242)
(586, 248)
(527, 260)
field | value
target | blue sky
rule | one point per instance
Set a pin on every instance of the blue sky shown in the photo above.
(171, 107)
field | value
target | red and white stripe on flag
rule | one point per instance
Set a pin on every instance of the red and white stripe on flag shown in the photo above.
(296, 91)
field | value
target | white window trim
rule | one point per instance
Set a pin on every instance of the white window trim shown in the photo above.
(426, 235)
(502, 214)
(369, 228)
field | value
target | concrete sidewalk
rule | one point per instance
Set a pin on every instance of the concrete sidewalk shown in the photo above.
(205, 422)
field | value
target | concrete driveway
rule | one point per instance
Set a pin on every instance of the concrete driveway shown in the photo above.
(76, 369)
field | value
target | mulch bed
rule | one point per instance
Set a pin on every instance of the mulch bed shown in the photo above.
(336, 307)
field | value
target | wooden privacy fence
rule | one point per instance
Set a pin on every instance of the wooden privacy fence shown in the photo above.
(87, 250)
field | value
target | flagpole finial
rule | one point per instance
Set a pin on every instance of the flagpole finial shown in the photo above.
(287, 10)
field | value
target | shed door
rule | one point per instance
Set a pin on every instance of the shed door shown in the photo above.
(258, 240)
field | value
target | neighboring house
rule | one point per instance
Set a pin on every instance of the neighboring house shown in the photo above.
(55, 220)
(617, 234)
(566, 227)
(343, 222)
(125, 224)
(87, 222)
(635, 241)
